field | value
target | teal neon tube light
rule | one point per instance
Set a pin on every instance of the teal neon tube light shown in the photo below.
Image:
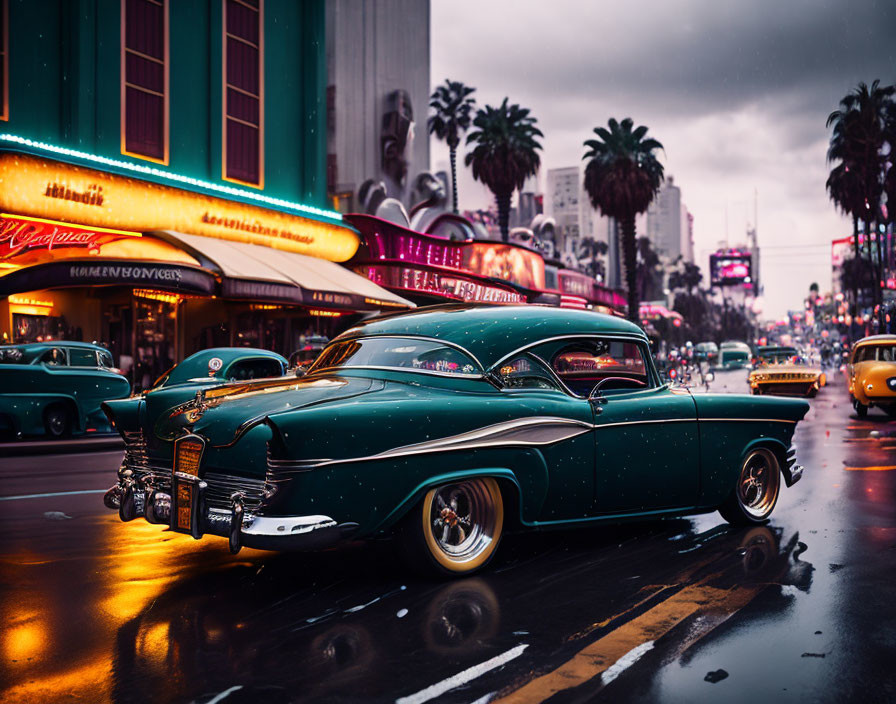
(173, 178)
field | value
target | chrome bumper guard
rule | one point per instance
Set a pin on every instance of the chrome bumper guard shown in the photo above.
(793, 472)
(240, 527)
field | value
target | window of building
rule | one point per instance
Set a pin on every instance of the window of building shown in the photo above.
(144, 79)
(243, 109)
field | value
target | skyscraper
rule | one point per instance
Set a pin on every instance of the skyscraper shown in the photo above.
(664, 221)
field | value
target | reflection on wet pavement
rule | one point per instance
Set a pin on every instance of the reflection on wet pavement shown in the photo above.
(100, 611)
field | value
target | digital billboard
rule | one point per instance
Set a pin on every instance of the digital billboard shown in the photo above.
(730, 269)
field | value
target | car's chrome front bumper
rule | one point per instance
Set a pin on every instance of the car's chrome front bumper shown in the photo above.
(242, 528)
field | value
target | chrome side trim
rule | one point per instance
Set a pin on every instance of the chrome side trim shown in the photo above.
(522, 432)
(745, 420)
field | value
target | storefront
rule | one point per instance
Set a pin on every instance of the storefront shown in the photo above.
(157, 272)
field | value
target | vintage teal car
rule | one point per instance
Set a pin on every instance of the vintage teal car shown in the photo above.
(449, 426)
(56, 388)
(220, 364)
(735, 355)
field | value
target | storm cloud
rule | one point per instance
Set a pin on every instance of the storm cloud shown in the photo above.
(736, 91)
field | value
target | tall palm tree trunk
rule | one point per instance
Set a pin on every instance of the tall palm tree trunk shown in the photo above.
(875, 266)
(453, 156)
(503, 200)
(855, 281)
(628, 247)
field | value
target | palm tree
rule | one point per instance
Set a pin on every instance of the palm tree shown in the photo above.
(451, 111)
(505, 153)
(844, 189)
(622, 177)
(860, 127)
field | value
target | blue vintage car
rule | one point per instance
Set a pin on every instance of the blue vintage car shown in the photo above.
(220, 364)
(56, 388)
(448, 426)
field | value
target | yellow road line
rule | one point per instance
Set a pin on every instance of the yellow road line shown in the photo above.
(597, 657)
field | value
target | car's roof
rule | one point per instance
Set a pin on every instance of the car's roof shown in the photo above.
(491, 332)
(876, 339)
(55, 343)
(196, 365)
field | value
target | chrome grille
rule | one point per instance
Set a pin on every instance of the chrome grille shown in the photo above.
(135, 456)
(222, 486)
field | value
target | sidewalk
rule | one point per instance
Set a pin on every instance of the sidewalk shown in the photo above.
(97, 443)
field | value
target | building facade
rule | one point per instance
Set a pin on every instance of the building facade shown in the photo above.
(664, 221)
(164, 179)
(377, 97)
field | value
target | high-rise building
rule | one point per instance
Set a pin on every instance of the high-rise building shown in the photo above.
(687, 234)
(377, 96)
(569, 205)
(664, 220)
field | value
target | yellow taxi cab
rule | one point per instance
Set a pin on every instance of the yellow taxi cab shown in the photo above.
(783, 370)
(871, 373)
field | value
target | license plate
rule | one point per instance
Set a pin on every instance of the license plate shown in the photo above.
(184, 503)
(186, 499)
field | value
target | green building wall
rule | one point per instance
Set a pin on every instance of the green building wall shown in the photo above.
(64, 86)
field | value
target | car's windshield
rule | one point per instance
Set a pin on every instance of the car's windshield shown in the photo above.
(397, 353)
(779, 355)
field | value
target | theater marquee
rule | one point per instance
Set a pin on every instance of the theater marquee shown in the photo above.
(44, 188)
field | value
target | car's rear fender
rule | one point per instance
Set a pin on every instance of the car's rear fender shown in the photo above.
(780, 451)
(27, 410)
(507, 480)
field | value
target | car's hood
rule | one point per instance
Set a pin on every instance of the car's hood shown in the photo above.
(874, 372)
(221, 413)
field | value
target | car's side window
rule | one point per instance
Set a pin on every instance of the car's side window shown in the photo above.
(82, 358)
(525, 372)
(54, 357)
(619, 364)
(106, 359)
(255, 369)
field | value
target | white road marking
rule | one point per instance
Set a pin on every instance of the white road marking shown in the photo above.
(55, 493)
(439, 688)
(625, 662)
(223, 695)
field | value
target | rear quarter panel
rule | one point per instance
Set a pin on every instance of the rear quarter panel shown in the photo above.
(730, 425)
(27, 390)
(555, 481)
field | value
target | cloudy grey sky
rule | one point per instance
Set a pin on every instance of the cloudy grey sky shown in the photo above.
(736, 90)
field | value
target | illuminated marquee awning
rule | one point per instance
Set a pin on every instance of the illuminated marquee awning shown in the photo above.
(250, 272)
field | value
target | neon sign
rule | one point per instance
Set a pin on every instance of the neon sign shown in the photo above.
(20, 235)
(452, 286)
(97, 199)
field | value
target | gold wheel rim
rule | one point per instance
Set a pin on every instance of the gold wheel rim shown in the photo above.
(462, 522)
(759, 483)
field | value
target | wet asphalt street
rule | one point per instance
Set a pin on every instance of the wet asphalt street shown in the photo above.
(802, 610)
